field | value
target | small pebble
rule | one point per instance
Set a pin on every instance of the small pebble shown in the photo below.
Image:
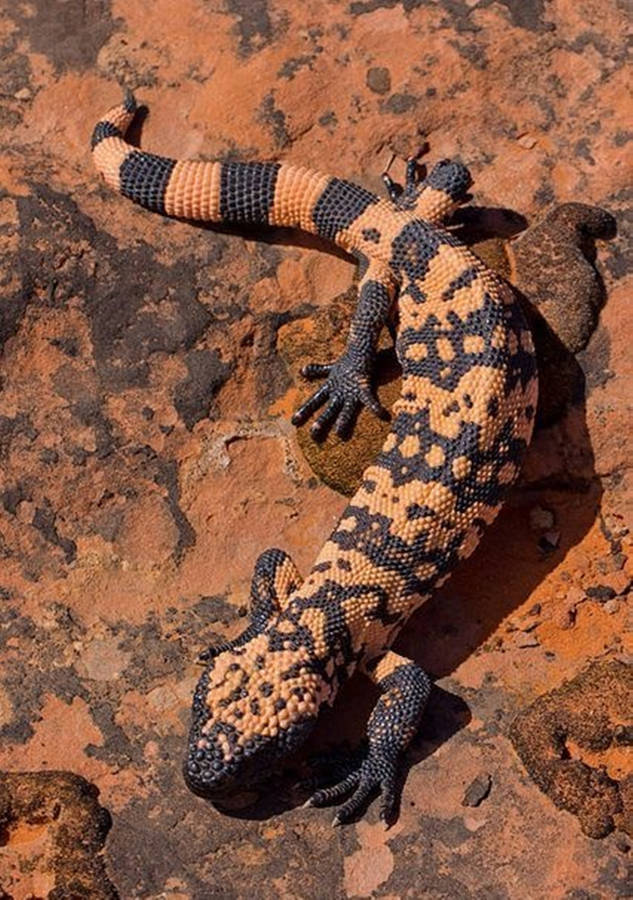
(566, 618)
(526, 141)
(23, 94)
(623, 735)
(473, 823)
(611, 607)
(574, 596)
(549, 541)
(600, 592)
(478, 790)
(621, 843)
(523, 639)
(378, 80)
(541, 519)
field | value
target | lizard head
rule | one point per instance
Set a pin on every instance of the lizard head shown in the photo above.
(253, 704)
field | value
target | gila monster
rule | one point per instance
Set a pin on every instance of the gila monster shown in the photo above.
(459, 431)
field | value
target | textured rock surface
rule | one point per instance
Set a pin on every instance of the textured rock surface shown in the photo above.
(53, 831)
(576, 743)
(146, 455)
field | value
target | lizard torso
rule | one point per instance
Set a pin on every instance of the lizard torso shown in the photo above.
(459, 431)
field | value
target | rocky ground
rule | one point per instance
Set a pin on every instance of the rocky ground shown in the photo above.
(148, 370)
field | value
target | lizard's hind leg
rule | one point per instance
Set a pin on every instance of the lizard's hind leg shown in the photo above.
(404, 196)
(442, 191)
(392, 725)
(275, 579)
(435, 197)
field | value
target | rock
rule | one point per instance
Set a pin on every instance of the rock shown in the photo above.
(601, 592)
(619, 582)
(541, 519)
(523, 640)
(478, 790)
(526, 141)
(549, 541)
(582, 713)
(148, 372)
(379, 80)
(611, 607)
(574, 596)
(623, 735)
(621, 843)
(56, 827)
(553, 268)
(565, 618)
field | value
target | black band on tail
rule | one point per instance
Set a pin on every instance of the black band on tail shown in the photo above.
(247, 191)
(144, 178)
(104, 130)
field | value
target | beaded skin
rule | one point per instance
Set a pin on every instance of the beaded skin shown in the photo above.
(459, 432)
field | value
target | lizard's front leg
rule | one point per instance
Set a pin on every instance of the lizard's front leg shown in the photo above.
(348, 380)
(275, 579)
(392, 725)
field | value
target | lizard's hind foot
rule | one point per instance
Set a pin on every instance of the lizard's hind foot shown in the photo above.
(435, 197)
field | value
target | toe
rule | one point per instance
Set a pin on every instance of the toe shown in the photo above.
(316, 370)
(358, 800)
(328, 795)
(311, 405)
(368, 400)
(345, 419)
(326, 418)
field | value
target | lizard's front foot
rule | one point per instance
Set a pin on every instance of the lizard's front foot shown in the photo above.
(346, 389)
(391, 728)
(375, 773)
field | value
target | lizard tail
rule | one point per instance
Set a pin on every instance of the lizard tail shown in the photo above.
(109, 148)
(243, 193)
(189, 189)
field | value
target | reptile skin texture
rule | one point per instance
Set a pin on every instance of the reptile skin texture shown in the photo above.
(459, 431)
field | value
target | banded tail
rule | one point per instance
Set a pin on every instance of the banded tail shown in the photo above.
(257, 193)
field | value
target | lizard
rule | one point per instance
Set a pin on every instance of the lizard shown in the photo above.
(459, 431)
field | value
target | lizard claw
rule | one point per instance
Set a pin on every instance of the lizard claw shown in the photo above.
(375, 774)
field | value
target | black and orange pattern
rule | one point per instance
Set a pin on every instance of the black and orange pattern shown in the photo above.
(460, 429)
